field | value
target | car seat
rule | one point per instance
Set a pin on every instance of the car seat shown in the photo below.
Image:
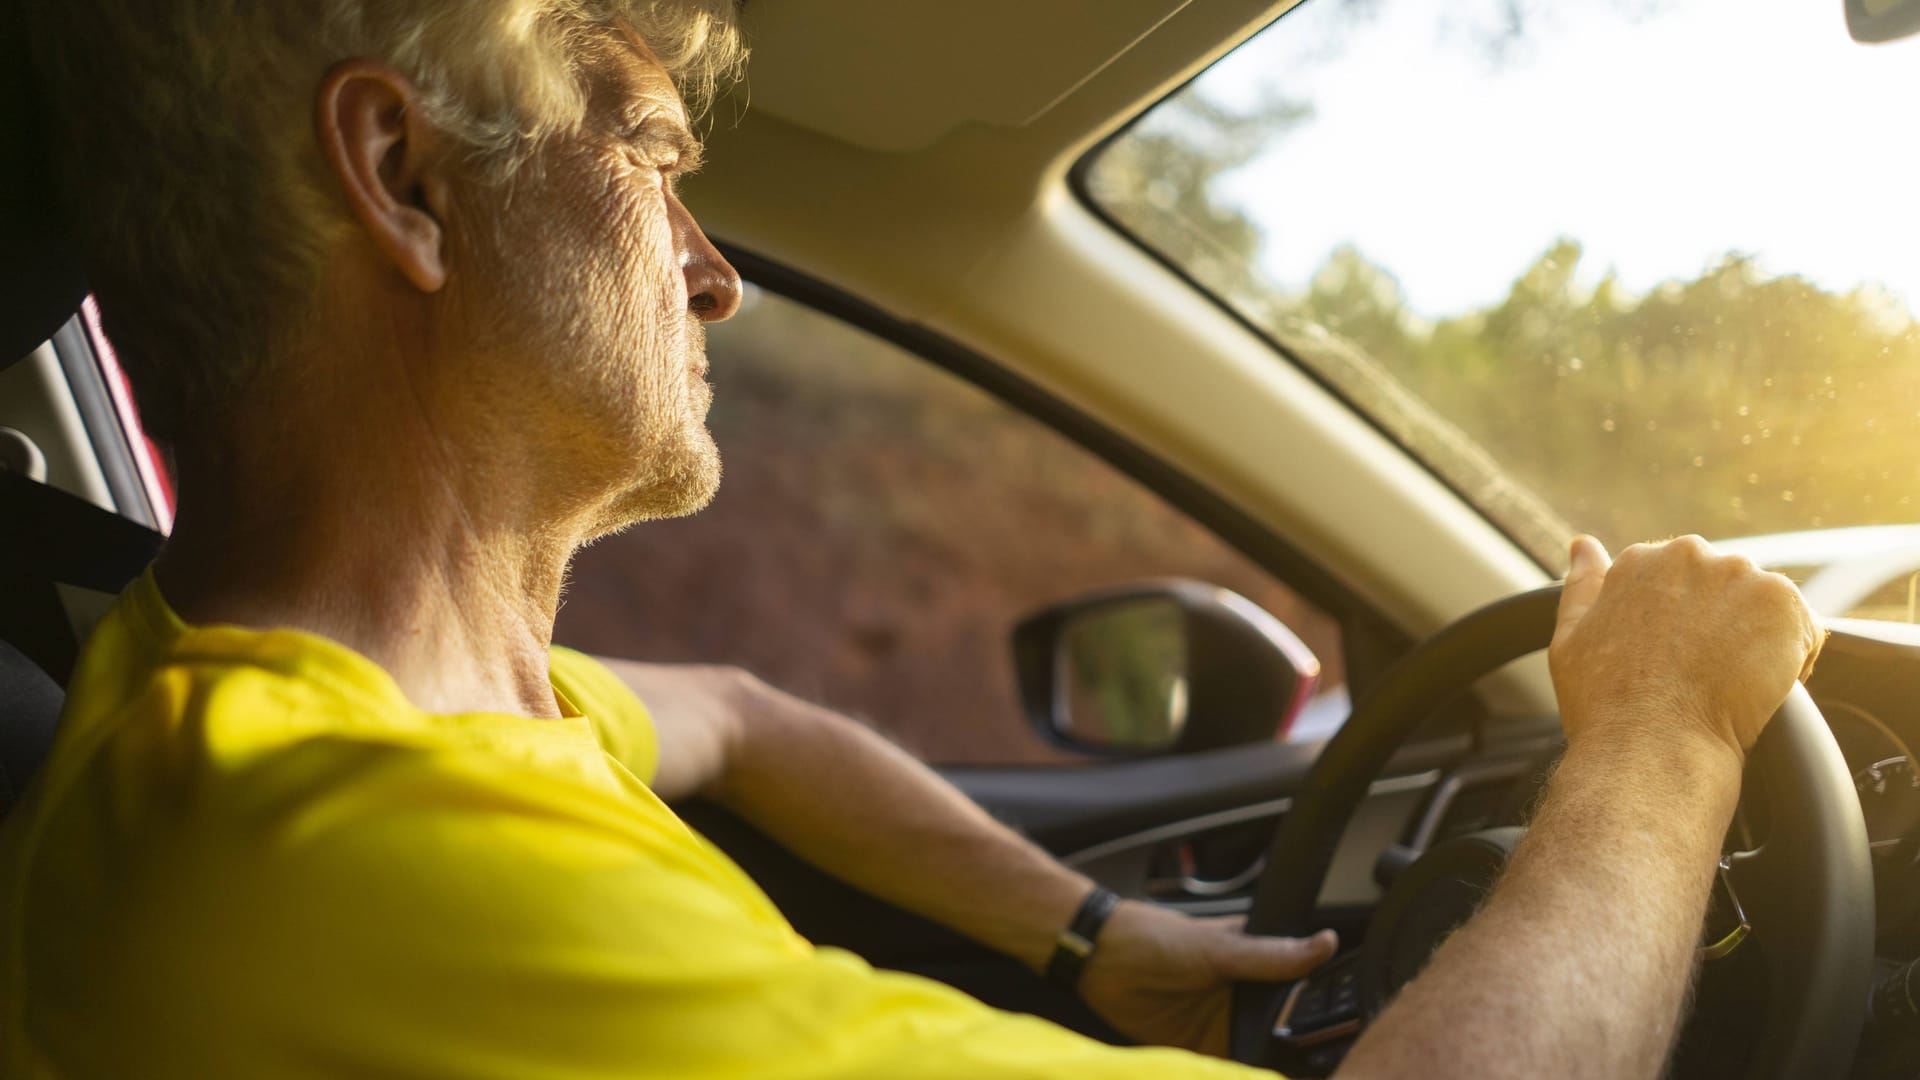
(49, 539)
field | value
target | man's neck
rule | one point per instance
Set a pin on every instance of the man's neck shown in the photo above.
(415, 567)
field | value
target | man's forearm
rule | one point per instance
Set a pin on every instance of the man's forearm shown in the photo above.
(815, 781)
(1579, 962)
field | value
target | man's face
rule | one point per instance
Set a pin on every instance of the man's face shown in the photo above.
(592, 285)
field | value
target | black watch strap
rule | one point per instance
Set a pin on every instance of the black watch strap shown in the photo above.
(1075, 944)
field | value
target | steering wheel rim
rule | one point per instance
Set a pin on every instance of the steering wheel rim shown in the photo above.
(1808, 888)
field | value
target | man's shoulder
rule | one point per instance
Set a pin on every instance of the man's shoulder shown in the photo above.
(287, 756)
(184, 728)
(217, 811)
(310, 884)
(205, 767)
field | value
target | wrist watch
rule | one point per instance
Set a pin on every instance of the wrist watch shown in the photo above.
(1075, 945)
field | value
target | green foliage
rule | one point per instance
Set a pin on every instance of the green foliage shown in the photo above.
(1159, 182)
(1735, 403)
(1731, 404)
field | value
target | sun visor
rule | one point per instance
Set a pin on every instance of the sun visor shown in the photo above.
(902, 76)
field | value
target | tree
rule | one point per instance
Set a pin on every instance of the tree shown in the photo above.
(1160, 180)
(1730, 404)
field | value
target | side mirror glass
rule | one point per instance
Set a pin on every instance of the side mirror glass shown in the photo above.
(1164, 666)
(1121, 676)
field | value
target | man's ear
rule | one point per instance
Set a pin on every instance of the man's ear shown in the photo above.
(390, 164)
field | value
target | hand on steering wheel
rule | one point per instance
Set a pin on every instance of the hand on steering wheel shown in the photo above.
(1806, 889)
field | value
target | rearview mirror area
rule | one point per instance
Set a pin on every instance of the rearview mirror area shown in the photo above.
(1163, 666)
(1876, 21)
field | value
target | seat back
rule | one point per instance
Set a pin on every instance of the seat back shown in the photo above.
(51, 541)
(29, 711)
(48, 539)
(41, 280)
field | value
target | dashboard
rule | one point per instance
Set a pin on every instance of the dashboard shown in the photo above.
(1868, 687)
(1888, 786)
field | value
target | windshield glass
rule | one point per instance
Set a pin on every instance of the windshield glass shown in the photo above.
(1630, 267)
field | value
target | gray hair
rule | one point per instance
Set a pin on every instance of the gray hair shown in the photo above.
(183, 144)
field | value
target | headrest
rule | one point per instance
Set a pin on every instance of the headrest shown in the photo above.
(41, 283)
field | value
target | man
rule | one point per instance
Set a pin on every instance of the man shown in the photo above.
(410, 293)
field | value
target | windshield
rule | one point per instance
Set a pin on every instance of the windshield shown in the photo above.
(1630, 267)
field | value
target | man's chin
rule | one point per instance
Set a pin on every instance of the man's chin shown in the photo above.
(679, 491)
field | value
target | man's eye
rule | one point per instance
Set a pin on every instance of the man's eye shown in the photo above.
(654, 161)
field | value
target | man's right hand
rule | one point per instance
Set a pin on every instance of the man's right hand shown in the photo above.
(1678, 631)
(1668, 663)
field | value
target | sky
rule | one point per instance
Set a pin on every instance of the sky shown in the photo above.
(1661, 134)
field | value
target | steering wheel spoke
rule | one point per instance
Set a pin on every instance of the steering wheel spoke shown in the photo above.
(1741, 926)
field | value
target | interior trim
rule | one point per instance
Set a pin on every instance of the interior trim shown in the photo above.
(1190, 885)
(1472, 774)
(1232, 905)
(1239, 815)
(102, 422)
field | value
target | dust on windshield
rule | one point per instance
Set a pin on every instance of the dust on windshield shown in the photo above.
(1631, 267)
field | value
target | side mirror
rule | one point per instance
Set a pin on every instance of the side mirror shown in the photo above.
(1875, 21)
(1160, 666)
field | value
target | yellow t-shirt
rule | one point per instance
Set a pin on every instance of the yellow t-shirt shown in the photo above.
(249, 856)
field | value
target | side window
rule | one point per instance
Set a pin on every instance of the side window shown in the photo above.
(881, 528)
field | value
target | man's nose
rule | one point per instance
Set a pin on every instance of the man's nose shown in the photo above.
(713, 285)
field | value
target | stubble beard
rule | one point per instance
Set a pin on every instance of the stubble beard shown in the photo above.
(618, 413)
(677, 471)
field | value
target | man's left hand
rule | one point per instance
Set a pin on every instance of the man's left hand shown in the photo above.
(1166, 978)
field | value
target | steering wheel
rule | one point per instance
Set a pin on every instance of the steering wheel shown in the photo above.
(1806, 891)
